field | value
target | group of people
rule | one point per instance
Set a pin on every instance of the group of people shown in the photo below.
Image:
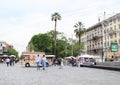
(9, 61)
(41, 62)
(58, 62)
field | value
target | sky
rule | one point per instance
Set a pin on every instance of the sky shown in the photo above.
(22, 19)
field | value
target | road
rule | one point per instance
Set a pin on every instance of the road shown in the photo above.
(20, 75)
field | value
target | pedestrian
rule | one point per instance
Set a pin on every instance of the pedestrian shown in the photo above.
(78, 63)
(44, 61)
(7, 61)
(10, 61)
(13, 61)
(2, 60)
(38, 61)
(61, 63)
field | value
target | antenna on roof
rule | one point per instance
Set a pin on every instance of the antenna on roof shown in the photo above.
(98, 18)
(104, 15)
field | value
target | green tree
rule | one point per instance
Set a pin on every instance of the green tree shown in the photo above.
(51, 35)
(79, 31)
(56, 16)
(44, 43)
(41, 43)
(62, 48)
(30, 46)
(12, 51)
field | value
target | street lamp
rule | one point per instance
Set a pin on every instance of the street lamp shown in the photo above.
(102, 40)
(103, 23)
(72, 46)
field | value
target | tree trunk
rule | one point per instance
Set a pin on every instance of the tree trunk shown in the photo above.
(79, 44)
(55, 38)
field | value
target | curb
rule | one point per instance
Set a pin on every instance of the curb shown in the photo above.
(115, 68)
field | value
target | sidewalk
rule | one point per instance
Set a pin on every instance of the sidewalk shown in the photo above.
(105, 65)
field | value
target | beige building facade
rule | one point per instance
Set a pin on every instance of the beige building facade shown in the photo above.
(100, 36)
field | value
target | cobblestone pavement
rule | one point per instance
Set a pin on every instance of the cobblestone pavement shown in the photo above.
(19, 75)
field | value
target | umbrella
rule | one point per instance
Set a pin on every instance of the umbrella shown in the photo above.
(12, 56)
(86, 56)
(4, 55)
(69, 57)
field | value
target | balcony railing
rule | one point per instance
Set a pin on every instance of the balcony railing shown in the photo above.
(95, 37)
(111, 32)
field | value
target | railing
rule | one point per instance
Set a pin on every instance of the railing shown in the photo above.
(111, 32)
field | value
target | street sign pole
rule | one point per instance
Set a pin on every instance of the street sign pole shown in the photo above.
(102, 55)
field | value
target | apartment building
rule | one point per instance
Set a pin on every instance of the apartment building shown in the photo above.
(112, 35)
(100, 36)
(95, 40)
(4, 47)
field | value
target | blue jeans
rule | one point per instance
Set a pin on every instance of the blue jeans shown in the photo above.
(38, 65)
(44, 65)
(7, 63)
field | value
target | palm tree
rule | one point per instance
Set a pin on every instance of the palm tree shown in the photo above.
(79, 31)
(56, 16)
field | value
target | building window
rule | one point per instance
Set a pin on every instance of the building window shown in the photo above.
(119, 19)
(119, 26)
(114, 20)
(105, 44)
(110, 22)
(116, 41)
(111, 36)
(114, 27)
(115, 34)
(107, 30)
(104, 31)
(119, 41)
(108, 43)
(111, 29)
(105, 38)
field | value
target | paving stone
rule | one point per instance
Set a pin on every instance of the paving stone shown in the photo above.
(20, 75)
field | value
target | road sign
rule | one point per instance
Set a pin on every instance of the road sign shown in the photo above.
(114, 47)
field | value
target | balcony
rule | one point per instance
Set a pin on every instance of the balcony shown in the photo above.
(95, 37)
(98, 47)
(111, 32)
(88, 39)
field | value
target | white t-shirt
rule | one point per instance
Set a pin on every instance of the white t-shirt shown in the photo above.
(37, 59)
(44, 59)
(7, 60)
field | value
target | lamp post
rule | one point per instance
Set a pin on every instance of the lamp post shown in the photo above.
(102, 41)
(103, 23)
(110, 33)
(72, 46)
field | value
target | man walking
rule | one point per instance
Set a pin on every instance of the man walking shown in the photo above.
(44, 62)
(38, 62)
